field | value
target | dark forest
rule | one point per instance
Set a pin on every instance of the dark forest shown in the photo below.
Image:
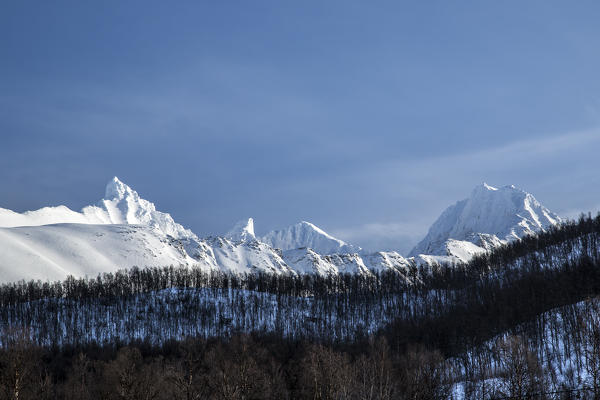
(518, 322)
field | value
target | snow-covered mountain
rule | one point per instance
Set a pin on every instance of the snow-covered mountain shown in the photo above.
(123, 205)
(52, 252)
(307, 261)
(120, 205)
(305, 234)
(489, 217)
(124, 230)
(121, 231)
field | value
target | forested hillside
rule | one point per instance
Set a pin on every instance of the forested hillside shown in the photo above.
(466, 330)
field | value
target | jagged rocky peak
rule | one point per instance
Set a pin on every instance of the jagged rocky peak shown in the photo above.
(306, 234)
(120, 205)
(490, 216)
(123, 205)
(115, 189)
(242, 231)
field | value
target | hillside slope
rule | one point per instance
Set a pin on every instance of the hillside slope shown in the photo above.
(52, 252)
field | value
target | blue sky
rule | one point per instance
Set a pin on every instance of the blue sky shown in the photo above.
(365, 118)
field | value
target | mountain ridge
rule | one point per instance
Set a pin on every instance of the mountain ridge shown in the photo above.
(306, 234)
(124, 230)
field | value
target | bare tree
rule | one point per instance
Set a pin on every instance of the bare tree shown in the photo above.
(327, 374)
(185, 375)
(235, 374)
(423, 375)
(78, 383)
(129, 379)
(17, 367)
(522, 373)
(590, 330)
(373, 378)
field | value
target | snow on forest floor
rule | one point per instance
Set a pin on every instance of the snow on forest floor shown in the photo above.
(179, 313)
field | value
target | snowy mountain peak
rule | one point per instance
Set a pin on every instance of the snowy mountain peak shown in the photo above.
(483, 190)
(115, 189)
(315, 228)
(306, 234)
(489, 215)
(123, 205)
(485, 186)
(120, 205)
(242, 231)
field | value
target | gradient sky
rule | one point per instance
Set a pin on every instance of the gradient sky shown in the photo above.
(365, 118)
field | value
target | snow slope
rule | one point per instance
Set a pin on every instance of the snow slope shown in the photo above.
(43, 216)
(52, 252)
(247, 256)
(305, 234)
(488, 218)
(560, 344)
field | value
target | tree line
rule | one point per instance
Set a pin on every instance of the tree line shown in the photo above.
(462, 326)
